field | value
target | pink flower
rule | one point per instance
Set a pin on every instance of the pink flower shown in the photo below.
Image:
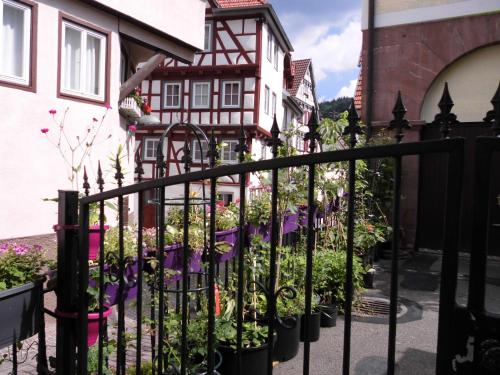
(52, 112)
(95, 120)
(108, 107)
(44, 130)
(132, 128)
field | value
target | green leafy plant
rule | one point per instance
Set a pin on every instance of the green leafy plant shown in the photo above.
(20, 264)
(226, 217)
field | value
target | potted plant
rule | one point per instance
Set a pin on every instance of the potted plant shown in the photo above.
(290, 307)
(21, 291)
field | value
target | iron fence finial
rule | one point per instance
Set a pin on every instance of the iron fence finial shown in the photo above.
(312, 135)
(100, 180)
(493, 115)
(399, 123)
(446, 119)
(138, 167)
(275, 140)
(186, 158)
(242, 147)
(118, 168)
(86, 185)
(212, 153)
(353, 129)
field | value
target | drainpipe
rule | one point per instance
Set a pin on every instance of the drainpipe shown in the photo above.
(369, 68)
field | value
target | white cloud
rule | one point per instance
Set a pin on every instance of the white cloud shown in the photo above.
(348, 90)
(330, 52)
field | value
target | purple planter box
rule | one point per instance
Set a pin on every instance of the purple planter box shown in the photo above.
(262, 230)
(290, 223)
(231, 237)
(174, 260)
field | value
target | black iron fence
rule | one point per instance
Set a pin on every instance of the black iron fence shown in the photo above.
(187, 321)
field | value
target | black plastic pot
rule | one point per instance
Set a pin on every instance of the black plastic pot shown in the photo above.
(314, 327)
(368, 279)
(20, 312)
(287, 342)
(253, 360)
(328, 315)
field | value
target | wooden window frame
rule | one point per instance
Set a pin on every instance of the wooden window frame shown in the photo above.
(193, 95)
(194, 148)
(63, 17)
(223, 96)
(231, 161)
(30, 85)
(172, 83)
(210, 28)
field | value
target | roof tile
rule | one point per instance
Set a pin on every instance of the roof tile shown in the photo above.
(240, 3)
(299, 69)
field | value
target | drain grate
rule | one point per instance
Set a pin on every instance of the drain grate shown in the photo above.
(373, 306)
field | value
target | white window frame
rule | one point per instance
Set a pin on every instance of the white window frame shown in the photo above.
(276, 56)
(145, 148)
(269, 45)
(193, 91)
(25, 79)
(207, 42)
(274, 103)
(226, 197)
(227, 143)
(267, 99)
(223, 102)
(165, 85)
(102, 61)
(195, 149)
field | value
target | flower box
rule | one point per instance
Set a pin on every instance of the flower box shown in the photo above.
(230, 237)
(130, 109)
(20, 312)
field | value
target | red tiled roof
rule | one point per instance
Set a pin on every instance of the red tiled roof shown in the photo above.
(299, 69)
(240, 3)
(358, 93)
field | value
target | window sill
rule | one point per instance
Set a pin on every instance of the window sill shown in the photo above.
(81, 98)
(18, 85)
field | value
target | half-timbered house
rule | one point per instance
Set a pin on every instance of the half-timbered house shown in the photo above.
(242, 77)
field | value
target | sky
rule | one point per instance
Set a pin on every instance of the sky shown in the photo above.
(329, 32)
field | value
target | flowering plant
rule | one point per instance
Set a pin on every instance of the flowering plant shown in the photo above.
(226, 216)
(20, 264)
(74, 151)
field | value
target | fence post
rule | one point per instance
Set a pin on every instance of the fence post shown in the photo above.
(66, 289)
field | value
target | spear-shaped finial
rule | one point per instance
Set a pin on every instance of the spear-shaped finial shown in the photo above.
(118, 169)
(353, 129)
(242, 147)
(212, 153)
(493, 116)
(312, 135)
(399, 123)
(86, 185)
(274, 142)
(100, 179)
(186, 158)
(138, 166)
(445, 119)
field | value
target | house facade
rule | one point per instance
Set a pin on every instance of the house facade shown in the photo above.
(416, 47)
(241, 78)
(76, 59)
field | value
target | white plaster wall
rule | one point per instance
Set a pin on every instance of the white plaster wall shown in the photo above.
(398, 12)
(472, 81)
(182, 19)
(30, 167)
(273, 79)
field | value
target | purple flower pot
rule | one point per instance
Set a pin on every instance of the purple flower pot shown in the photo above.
(231, 237)
(290, 223)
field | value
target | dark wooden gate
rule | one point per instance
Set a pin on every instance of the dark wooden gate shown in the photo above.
(432, 186)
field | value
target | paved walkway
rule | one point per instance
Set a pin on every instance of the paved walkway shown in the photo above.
(416, 332)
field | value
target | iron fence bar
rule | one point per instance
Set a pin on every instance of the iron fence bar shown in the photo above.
(393, 309)
(83, 280)
(311, 136)
(140, 223)
(185, 259)
(353, 129)
(101, 288)
(449, 265)
(484, 152)
(120, 345)
(14, 356)
(161, 282)
(372, 152)
(274, 142)
(211, 281)
(241, 149)
(66, 288)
